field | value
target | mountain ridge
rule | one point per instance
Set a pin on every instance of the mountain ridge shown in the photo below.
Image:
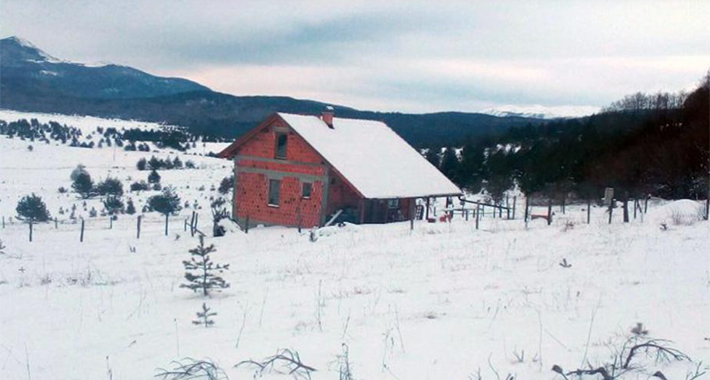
(32, 80)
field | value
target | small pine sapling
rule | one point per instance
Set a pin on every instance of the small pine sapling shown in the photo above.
(202, 273)
(204, 317)
(153, 177)
(130, 207)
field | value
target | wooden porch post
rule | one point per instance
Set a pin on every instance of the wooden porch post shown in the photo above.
(324, 197)
(362, 210)
(427, 207)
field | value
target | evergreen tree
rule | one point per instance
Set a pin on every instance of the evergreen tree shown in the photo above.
(110, 186)
(113, 205)
(226, 184)
(450, 165)
(83, 185)
(177, 164)
(78, 170)
(472, 167)
(32, 209)
(202, 273)
(154, 177)
(204, 317)
(156, 163)
(432, 155)
(167, 203)
(141, 164)
(130, 207)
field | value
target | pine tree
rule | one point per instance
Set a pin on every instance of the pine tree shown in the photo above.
(113, 205)
(83, 185)
(202, 273)
(450, 165)
(226, 185)
(130, 207)
(142, 164)
(177, 164)
(153, 177)
(111, 187)
(32, 209)
(204, 316)
(167, 203)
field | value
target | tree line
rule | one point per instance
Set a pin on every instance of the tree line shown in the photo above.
(643, 144)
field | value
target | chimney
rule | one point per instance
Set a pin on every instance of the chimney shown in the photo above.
(327, 116)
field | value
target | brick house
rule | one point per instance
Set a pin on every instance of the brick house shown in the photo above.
(302, 170)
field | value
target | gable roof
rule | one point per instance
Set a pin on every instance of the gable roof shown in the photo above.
(372, 157)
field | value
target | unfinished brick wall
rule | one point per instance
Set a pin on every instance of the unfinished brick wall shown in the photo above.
(252, 196)
(263, 144)
(253, 188)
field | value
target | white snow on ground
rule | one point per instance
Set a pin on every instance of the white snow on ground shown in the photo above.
(440, 302)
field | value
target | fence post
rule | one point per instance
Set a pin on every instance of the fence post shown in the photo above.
(138, 227)
(184, 225)
(192, 224)
(3, 222)
(110, 222)
(549, 211)
(246, 227)
(55, 223)
(589, 210)
(707, 208)
(645, 205)
(626, 209)
(515, 200)
(30, 230)
(167, 217)
(478, 214)
(611, 209)
(81, 236)
(526, 209)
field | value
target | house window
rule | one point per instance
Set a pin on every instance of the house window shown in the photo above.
(392, 203)
(281, 141)
(306, 190)
(274, 192)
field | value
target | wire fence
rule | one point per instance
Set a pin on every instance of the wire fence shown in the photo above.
(140, 225)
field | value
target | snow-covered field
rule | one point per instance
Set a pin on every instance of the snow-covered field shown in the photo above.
(442, 301)
(87, 124)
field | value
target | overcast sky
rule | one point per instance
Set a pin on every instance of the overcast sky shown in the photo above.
(387, 55)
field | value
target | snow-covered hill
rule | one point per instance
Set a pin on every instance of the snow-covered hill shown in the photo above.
(442, 301)
(87, 124)
(542, 112)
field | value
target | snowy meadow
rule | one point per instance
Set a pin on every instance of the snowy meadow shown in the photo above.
(439, 301)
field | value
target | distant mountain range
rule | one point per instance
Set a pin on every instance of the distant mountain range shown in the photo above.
(542, 112)
(32, 80)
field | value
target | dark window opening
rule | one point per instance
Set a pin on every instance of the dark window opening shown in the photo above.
(306, 190)
(393, 203)
(274, 192)
(281, 142)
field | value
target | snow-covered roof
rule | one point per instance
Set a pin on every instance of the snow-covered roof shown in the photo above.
(372, 157)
